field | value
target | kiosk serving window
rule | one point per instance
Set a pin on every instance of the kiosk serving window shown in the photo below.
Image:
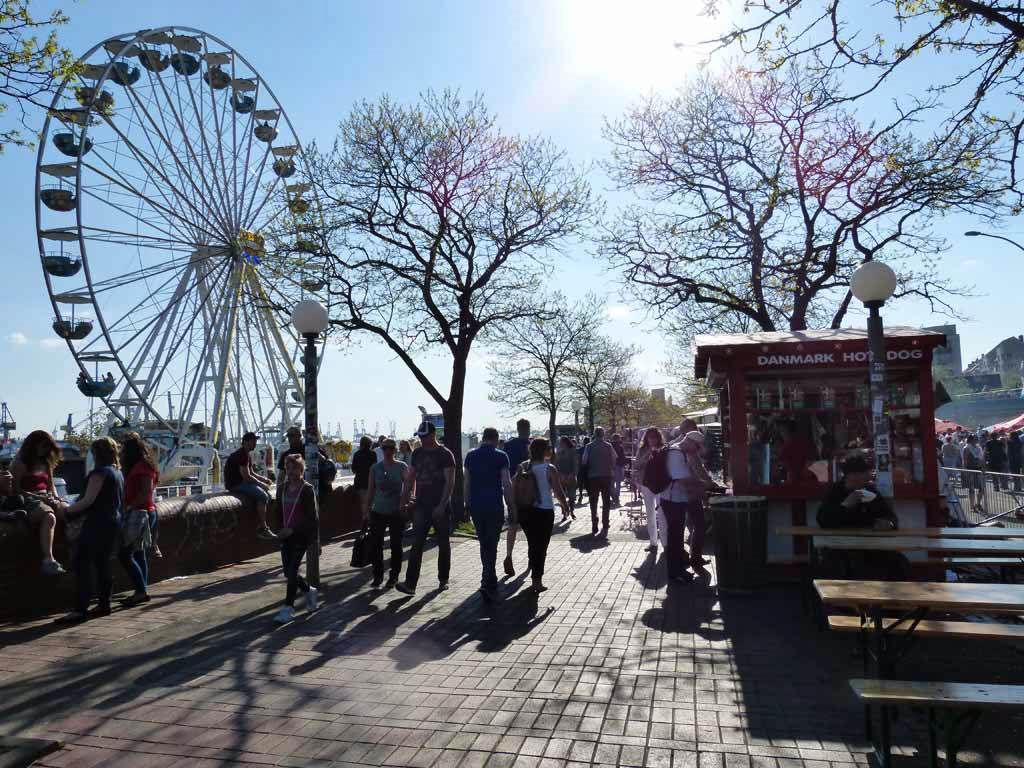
(801, 426)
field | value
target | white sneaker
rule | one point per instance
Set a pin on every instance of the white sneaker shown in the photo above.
(312, 599)
(285, 615)
(52, 568)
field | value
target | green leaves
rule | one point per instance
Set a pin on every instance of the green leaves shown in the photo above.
(29, 69)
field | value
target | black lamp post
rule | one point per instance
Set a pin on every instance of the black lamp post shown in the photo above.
(310, 319)
(975, 233)
(873, 283)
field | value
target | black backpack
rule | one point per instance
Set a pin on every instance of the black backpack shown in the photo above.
(524, 487)
(655, 476)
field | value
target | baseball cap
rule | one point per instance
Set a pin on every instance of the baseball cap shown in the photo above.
(426, 428)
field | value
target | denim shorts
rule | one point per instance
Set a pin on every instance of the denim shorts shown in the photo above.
(252, 491)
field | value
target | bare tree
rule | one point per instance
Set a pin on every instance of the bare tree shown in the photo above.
(29, 69)
(440, 226)
(533, 356)
(970, 50)
(634, 405)
(602, 366)
(759, 197)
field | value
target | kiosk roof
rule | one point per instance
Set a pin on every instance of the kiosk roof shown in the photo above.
(708, 345)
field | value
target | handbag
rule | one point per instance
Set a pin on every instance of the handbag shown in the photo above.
(73, 528)
(134, 529)
(361, 549)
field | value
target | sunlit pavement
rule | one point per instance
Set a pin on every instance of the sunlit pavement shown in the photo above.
(607, 667)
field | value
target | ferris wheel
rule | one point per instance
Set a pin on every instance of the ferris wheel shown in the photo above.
(175, 235)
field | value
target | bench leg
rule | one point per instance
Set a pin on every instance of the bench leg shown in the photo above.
(865, 656)
(884, 738)
(933, 740)
(954, 727)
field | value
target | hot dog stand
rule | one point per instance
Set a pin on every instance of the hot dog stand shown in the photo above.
(795, 404)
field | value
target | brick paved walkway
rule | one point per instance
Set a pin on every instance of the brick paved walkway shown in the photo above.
(608, 667)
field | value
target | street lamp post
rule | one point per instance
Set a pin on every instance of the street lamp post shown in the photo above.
(975, 233)
(873, 283)
(310, 319)
(576, 418)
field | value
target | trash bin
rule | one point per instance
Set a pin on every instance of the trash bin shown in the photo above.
(738, 527)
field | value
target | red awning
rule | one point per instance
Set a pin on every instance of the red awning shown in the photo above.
(943, 425)
(1008, 426)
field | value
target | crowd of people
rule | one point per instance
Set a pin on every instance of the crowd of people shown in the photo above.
(520, 483)
(1001, 454)
(115, 515)
(523, 483)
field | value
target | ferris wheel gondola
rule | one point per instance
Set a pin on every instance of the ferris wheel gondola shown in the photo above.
(171, 242)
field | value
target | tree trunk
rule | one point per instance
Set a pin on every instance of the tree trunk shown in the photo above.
(590, 414)
(552, 417)
(452, 411)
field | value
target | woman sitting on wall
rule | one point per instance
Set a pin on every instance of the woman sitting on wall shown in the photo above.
(32, 472)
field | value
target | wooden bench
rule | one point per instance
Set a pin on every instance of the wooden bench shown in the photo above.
(936, 628)
(977, 562)
(953, 710)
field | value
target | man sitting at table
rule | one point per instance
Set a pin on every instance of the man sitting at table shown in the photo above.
(854, 502)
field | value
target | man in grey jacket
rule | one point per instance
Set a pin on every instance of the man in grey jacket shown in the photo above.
(599, 459)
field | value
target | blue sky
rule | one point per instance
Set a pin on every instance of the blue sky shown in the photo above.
(551, 68)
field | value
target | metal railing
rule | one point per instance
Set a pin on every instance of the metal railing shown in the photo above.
(979, 496)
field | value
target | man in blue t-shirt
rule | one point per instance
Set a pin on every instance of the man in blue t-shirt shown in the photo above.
(486, 481)
(518, 450)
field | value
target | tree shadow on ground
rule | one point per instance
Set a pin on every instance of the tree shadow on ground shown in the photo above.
(171, 659)
(13, 633)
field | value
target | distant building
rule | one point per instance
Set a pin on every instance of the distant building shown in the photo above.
(949, 356)
(1004, 358)
(994, 380)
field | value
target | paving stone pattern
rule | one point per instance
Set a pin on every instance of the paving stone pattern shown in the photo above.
(608, 667)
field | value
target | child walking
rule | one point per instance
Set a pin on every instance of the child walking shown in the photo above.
(299, 519)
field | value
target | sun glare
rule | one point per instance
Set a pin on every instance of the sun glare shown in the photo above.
(635, 45)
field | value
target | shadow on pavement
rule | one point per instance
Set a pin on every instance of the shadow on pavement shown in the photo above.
(587, 543)
(493, 628)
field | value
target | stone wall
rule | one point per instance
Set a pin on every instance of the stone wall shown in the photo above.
(197, 533)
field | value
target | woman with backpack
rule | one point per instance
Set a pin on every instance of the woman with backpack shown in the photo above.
(652, 441)
(535, 487)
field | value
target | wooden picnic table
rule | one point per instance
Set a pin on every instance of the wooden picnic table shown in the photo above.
(956, 597)
(976, 532)
(990, 547)
(913, 601)
(867, 539)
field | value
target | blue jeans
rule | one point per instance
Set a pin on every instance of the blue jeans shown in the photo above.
(293, 549)
(488, 530)
(253, 491)
(423, 520)
(135, 565)
(154, 528)
(92, 558)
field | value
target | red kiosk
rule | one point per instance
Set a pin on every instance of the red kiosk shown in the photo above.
(795, 404)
